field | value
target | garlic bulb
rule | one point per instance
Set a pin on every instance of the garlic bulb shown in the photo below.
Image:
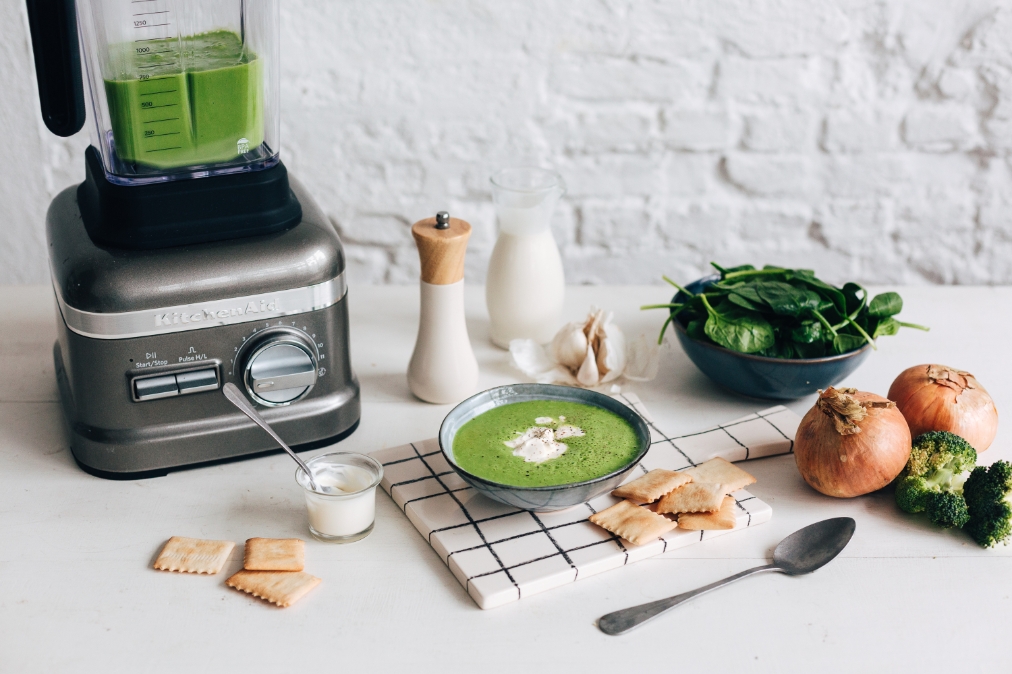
(586, 353)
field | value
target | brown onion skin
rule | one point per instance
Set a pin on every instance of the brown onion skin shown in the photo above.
(928, 406)
(875, 456)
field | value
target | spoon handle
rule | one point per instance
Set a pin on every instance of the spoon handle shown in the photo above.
(620, 622)
(235, 397)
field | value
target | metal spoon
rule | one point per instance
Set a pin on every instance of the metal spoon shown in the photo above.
(236, 397)
(802, 552)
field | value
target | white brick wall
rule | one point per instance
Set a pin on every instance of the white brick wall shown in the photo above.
(868, 139)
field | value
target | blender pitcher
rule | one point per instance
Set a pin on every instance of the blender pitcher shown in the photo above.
(177, 89)
(525, 287)
(182, 86)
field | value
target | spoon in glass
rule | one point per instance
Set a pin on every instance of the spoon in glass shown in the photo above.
(802, 552)
(236, 397)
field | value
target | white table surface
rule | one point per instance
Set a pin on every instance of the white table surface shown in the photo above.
(77, 592)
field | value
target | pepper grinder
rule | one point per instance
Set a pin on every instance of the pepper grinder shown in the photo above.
(443, 368)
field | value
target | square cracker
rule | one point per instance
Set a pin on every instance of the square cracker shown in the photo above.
(632, 522)
(650, 487)
(283, 588)
(722, 519)
(695, 497)
(730, 476)
(275, 554)
(193, 555)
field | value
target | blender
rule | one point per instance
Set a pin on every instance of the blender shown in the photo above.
(188, 257)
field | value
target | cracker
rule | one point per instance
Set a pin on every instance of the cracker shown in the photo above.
(632, 522)
(275, 554)
(722, 519)
(695, 497)
(650, 487)
(193, 555)
(283, 588)
(730, 476)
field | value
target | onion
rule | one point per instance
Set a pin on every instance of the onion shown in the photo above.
(940, 398)
(851, 443)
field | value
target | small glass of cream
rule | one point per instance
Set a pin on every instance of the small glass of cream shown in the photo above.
(342, 509)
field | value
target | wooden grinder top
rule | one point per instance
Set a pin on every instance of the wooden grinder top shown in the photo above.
(441, 251)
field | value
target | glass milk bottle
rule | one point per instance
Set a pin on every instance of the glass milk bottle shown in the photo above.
(525, 286)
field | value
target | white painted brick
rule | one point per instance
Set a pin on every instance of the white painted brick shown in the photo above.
(613, 175)
(375, 228)
(780, 131)
(689, 174)
(940, 128)
(794, 81)
(592, 77)
(855, 226)
(703, 226)
(850, 131)
(625, 226)
(785, 226)
(696, 129)
(770, 175)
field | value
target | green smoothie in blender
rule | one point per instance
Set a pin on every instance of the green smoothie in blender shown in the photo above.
(185, 102)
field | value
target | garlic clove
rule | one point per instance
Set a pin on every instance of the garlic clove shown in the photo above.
(611, 352)
(569, 346)
(588, 374)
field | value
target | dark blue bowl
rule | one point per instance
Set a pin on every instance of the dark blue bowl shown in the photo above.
(760, 376)
(541, 499)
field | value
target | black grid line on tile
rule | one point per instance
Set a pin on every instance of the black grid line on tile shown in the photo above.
(651, 424)
(724, 428)
(556, 544)
(514, 537)
(420, 479)
(477, 529)
(442, 493)
(410, 458)
(778, 429)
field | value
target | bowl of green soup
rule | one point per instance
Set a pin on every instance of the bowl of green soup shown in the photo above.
(542, 447)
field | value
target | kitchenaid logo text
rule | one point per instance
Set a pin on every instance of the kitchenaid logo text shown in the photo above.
(181, 317)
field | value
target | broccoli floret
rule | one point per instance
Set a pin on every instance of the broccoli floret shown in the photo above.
(948, 509)
(988, 493)
(936, 466)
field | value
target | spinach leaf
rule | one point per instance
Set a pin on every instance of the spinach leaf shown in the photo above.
(785, 299)
(834, 295)
(742, 331)
(886, 304)
(886, 327)
(844, 343)
(742, 302)
(695, 330)
(807, 332)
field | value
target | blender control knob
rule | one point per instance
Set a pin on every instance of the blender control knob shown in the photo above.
(280, 369)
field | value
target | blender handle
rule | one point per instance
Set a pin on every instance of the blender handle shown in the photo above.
(53, 24)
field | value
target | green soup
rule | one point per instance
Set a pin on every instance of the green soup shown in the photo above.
(608, 444)
(188, 102)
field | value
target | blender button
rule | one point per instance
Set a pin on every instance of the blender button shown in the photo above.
(152, 388)
(197, 382)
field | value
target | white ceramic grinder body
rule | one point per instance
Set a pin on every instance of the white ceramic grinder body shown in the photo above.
(443, 368)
